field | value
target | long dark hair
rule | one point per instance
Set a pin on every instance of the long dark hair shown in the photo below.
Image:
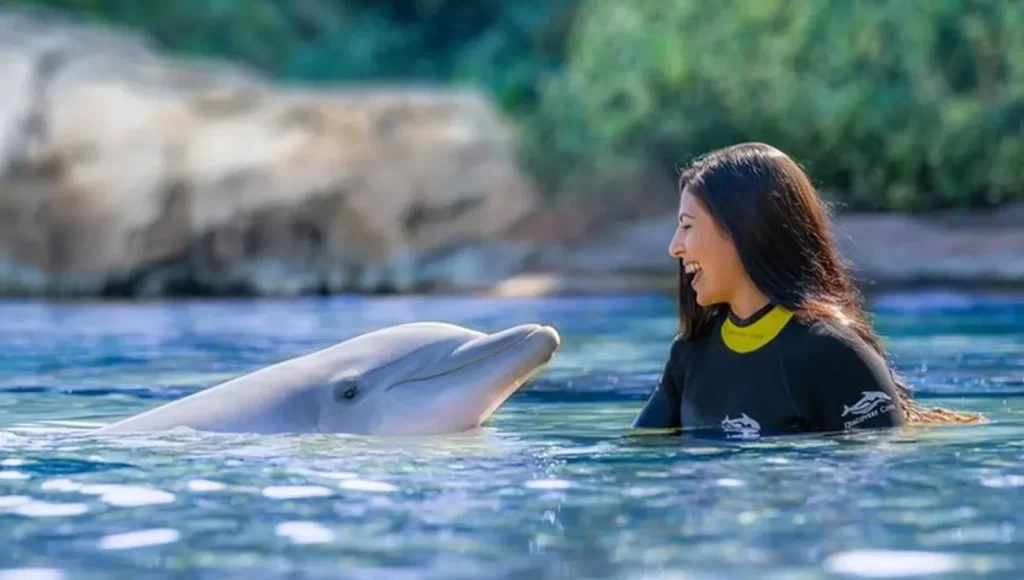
(764, 201)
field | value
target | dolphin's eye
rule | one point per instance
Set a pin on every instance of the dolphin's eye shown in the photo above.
(346, 391)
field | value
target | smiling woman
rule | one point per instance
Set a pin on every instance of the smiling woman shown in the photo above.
(772, 336)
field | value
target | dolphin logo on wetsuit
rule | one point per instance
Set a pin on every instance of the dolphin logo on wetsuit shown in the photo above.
(868, 401)
(741, 424)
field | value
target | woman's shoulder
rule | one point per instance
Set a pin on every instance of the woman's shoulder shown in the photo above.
(847, 381)
(679, 346)
(826, 342)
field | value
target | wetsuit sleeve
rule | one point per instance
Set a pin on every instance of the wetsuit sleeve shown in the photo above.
(853, 388)
(662, 410)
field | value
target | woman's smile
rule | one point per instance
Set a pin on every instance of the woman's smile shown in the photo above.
(695, 271)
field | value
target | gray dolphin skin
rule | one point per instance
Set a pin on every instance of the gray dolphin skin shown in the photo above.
(422, 378)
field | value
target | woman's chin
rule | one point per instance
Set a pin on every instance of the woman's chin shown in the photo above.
(699, 299)
(700, 291)
(704, 299)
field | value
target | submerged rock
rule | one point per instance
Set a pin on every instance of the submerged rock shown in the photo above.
(125, 172)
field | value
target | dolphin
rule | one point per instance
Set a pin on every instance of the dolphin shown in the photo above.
(421, 378)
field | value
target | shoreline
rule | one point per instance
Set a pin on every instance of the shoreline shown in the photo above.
(979, 252)
(545, 285)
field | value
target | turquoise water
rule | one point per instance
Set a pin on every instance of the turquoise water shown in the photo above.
(554, 486)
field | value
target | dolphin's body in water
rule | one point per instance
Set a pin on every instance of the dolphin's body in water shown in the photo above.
(411, 379)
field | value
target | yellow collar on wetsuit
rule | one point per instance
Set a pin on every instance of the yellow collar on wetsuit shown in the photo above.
(763, 327)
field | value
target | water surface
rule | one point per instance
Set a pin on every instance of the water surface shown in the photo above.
(555, 485)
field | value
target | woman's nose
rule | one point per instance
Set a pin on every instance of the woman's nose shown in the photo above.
(675, 247)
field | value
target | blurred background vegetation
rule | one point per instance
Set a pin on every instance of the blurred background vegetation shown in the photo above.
(909, 105)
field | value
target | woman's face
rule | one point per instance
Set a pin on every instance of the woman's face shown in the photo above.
(707, 253)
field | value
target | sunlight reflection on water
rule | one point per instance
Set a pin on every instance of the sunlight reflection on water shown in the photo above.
(554, 485)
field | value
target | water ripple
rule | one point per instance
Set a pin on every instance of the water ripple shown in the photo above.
(555, 485)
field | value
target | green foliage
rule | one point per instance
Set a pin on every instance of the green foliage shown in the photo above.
(506, 46)
(890, 104)
(901, 104)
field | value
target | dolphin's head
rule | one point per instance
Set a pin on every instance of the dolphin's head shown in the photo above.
(427, 377)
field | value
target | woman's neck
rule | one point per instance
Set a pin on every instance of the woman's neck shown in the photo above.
(747, 301)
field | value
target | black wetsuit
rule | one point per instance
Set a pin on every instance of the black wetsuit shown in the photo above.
(773, 374)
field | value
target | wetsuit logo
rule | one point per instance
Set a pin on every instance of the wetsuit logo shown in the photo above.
(742, 426)
(871, 404)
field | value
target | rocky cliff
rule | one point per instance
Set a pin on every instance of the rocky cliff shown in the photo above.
(127, 172)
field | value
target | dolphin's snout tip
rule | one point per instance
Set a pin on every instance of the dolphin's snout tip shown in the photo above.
(552, 340)
(553, 334)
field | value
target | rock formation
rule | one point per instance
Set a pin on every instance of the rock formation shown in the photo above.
(127, 172)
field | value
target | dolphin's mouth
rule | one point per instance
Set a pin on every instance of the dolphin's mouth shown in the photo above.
(512, 337)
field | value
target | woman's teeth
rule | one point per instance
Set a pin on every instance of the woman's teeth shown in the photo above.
(694, 271)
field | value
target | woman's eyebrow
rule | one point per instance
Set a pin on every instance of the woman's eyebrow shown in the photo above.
(684, 214)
